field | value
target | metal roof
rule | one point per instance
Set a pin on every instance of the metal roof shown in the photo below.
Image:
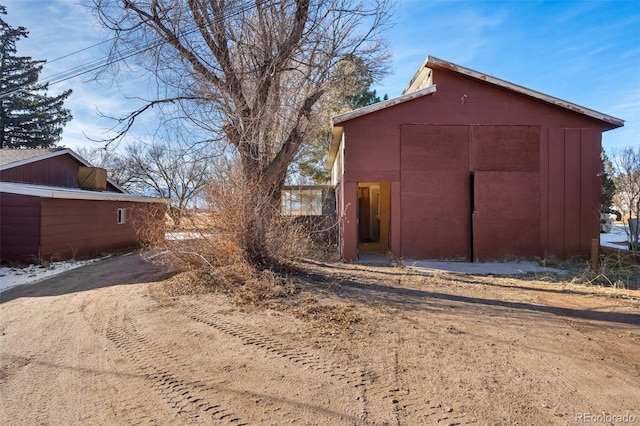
(45, 191)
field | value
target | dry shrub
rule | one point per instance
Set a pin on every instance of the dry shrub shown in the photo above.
(614, 270)
(243, 285)
(149, 222)
(210, 245)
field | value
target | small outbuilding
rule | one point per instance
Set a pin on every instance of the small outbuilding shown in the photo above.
(55, 206)
(465, 166)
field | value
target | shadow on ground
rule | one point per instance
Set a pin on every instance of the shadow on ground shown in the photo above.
(120, 270)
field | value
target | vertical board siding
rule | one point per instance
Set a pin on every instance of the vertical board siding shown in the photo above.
(590, 189)
(572, 191)
(556, 246)
(61, 170)
(19, 228)
(544, 193)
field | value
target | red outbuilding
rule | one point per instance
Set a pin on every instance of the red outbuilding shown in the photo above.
(465, 166)
(55, 206)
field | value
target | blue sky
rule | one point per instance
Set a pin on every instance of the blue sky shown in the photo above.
(585, 52)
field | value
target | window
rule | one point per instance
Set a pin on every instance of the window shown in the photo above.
(302, 202)
(122, 216)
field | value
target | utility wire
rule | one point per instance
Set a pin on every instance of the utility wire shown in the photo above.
(109, 60)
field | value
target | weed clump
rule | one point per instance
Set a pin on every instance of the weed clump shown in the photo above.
(209, 247)
(615, 271)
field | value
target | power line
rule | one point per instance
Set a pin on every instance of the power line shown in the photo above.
(127, 53)
(81, 50)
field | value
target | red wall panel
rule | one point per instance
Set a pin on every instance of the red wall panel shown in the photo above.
(435, 200)
(506, 221)
(567, 193)
(19, 228)
(81, 228)
(435, 208)
(556, 193)
(572, 190)
(61, 170)
(505, 148)
(589, 188)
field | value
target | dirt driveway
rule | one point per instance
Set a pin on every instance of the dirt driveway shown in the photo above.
(106, 345)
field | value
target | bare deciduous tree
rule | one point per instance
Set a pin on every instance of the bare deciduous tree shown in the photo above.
(249, 73)
(112, 161)
(168, 167)
(170, 170)
(626, 165)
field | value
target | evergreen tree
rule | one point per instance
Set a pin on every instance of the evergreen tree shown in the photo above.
(606, 179)
(352, 91)
(28, 117)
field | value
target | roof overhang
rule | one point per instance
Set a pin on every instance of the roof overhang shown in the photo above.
(435, 63)
(337, 130)
(65, 151)
(60, 192)
(422, 84)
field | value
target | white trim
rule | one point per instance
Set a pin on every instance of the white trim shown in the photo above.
(439, 63)
(121, 216)
(383, 104)
(337, 131)
(44, 191)
(55, 154)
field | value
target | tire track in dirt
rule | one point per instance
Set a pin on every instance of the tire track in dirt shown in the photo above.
(186, 399)
(396, 394)
(403, 389)
(207, 400)
(300, 356)
(128, 402)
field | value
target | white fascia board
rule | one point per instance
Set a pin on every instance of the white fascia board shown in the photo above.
(338, 131)
(383, 104)
(55, 154)
(432, 62)
(44, 191)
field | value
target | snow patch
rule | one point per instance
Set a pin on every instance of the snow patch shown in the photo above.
(617, 238)
(31, 274)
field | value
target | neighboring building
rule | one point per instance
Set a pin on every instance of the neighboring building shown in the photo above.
(314, 207)
(465, 166)
(45, 214)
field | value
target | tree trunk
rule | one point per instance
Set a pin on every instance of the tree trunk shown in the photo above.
(261, 205)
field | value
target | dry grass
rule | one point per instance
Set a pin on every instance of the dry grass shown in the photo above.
(614, 270)
(210, 249)
(243, 284)
(341, 315)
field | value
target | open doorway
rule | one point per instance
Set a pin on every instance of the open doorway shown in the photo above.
(374, 217)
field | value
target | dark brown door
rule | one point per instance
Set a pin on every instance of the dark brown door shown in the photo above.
(364, 215)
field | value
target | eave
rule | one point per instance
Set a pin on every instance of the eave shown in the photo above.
(336, 132)
(435, 63)
(44, 191)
